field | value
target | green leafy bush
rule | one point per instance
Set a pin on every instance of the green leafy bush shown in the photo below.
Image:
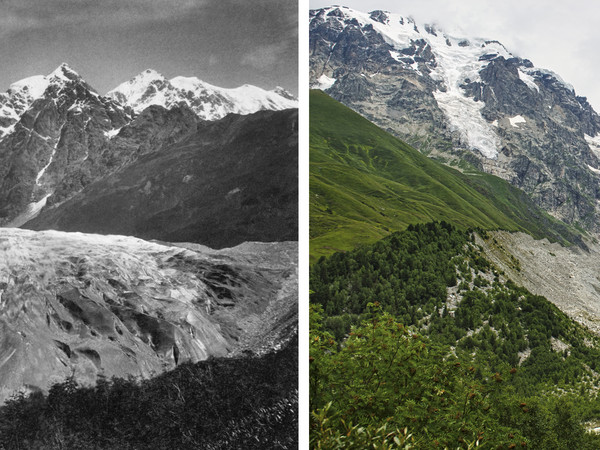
(493, 366)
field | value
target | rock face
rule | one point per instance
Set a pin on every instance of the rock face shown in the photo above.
(229, 181)
(94, 305)
(207, 101)
(464, 100)
(151, 130)
(57, 135)
(57, 132)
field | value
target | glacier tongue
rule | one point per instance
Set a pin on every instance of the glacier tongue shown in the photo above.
(464, 115)
(83, 305)
(457, 61)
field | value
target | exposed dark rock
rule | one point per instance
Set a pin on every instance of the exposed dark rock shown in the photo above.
(539, 121)
(379, 16)
(53, 137)
(231, 181)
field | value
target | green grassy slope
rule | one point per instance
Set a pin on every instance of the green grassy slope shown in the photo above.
(365, 183)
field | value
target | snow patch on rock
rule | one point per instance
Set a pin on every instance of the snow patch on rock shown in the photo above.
(324, 82)
(515, 121)
(528, 80)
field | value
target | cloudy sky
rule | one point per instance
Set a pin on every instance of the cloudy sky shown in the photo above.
(223, 42)
(557, 35)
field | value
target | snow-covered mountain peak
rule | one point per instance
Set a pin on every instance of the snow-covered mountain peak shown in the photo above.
(452, 62)
(188, 83)
(33, 87)
(147, 76)
(400, 32)
(461, 98)
(65, 73)
(464, 56)
(20, 96)
(207, 101)
(65, 77)
(136, 91)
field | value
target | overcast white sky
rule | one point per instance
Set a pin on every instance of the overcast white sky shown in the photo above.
(223, 42)
(563, 36)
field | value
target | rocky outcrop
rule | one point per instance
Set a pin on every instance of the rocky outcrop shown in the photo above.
(464, 100)
(58, 132)
(230, 181)
(150, 131)
(92, 305)
(57, 135)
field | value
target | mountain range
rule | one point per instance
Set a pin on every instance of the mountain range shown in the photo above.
(60, 137)
(467, 102)
(126, 196)
(453, 242)
(207, 101)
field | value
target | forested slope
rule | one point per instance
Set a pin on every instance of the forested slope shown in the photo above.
(445, 345)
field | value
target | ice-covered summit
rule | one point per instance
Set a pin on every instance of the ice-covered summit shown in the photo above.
(207, 101)
(136, 91)
(453, 63)
(21, 94)
(64, 73)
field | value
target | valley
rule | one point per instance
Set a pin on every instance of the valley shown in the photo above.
(157, 241)
(453, 242)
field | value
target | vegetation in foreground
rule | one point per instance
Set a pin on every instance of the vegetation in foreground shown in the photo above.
(249, 402)
(417, 341)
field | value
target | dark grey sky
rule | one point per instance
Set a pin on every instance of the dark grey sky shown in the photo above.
(223, 42)
(563, 36)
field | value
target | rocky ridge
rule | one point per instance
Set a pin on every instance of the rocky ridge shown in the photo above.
(58, 135)
(226, 182)
(468, 102)
(207, 101)
(58, 131)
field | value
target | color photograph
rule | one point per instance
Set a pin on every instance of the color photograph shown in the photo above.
(454, 197)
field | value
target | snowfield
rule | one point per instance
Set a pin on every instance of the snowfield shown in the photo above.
(207, 101)
(458, 62)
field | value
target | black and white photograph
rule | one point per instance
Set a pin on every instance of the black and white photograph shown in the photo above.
(149, 224)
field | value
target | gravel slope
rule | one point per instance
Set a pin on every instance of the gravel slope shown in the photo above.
(567, 276)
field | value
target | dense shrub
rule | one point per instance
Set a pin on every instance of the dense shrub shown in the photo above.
(393, 356)
(245, 402)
